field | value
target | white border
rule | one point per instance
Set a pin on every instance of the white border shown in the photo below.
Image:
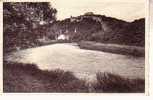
(147, 89)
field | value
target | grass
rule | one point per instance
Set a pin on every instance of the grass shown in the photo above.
(111, 83)
(18, 77)
(113, 48)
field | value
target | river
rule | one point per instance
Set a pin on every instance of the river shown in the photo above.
(83, 63)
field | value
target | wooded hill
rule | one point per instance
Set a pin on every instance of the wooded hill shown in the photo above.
(101, 29)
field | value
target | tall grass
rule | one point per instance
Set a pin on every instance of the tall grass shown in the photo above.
(111, 83)
(20, 77)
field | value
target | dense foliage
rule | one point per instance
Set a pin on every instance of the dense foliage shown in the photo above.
(99, 28)
(21, 19)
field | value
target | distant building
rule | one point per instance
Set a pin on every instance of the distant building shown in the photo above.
(72, 19)
(63, 37)
(42, 22)
(75, 30)
(89, 13)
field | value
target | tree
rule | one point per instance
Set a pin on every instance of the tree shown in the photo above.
(28, 13)
(21, 18)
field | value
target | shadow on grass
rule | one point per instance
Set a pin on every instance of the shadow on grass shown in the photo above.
(18, 77)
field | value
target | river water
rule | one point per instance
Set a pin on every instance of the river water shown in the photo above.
(83, 63)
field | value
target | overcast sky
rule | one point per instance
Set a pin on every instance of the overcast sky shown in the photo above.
(128, 10)
(151, 16)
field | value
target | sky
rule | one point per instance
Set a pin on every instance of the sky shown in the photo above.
(127, 10)
(151, 16)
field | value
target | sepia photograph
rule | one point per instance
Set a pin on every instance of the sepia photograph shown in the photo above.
(74, 46)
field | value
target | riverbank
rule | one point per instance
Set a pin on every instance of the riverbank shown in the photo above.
(113, 48)
(18, 77)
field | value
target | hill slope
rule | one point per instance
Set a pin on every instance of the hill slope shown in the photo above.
(101, 29)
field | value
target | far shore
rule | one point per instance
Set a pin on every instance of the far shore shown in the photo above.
(135, 51)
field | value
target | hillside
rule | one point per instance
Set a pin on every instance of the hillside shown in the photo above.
(100, 28)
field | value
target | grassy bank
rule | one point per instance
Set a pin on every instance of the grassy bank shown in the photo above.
(113, 48)
(28, 78)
